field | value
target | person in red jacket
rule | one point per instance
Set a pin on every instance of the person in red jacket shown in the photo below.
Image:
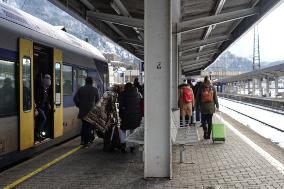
(186, 102)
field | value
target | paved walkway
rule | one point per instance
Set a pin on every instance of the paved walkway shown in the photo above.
(233, 164)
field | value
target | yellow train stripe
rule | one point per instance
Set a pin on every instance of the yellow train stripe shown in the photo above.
(22, 179)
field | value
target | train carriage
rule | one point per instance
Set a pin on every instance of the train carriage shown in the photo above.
(29, 49)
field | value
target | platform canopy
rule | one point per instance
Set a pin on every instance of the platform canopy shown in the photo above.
(206, 27)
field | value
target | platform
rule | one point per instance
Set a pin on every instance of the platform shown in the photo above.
(233, 164)
(273, 103)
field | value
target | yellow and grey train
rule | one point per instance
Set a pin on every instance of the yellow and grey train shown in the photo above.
(29, 49)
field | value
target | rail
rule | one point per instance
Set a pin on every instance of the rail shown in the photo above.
(254, 119)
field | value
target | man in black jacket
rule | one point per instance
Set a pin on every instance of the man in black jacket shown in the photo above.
(85, 99)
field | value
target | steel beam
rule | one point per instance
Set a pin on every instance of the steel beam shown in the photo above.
(122, 9)
(132, 42)
(203, 53)
(89, 5)
(218, 9)
(118, 6)
(120, 20)
(192, 72)
(193, 68)
(194, 61)
(189, 45)
(196, 64)
(113, 27)
(203, 22)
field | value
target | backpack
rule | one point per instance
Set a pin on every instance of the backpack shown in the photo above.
(207, 94)
(187, 95)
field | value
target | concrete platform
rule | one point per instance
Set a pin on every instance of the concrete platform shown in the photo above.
(273, 103)
(233, 164)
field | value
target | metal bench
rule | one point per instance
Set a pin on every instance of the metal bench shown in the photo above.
(182, 136)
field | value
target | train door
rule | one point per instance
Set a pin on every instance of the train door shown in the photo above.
(57, 91)
(26, 95)
(43, 69)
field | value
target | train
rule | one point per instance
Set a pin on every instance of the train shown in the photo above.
(30, 49)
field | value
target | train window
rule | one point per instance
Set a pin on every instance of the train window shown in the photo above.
(82, 75)
(67, 80)
(7, 88)
(57, 83)
(27, 103)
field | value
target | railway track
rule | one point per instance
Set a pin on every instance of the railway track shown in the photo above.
(255, 119)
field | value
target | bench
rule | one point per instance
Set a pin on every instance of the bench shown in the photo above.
(137, 137)
(181, 136)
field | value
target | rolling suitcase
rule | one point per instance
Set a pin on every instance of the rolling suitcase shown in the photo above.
(218, 131)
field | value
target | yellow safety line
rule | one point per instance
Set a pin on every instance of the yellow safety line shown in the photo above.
(22, 179)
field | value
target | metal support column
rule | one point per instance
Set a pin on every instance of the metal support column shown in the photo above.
(158, 37)
(267, 87)
(276, 85)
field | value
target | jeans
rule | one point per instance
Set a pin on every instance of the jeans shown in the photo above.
(40, 125)
(86, 132)
(198, 113)
(206, 118)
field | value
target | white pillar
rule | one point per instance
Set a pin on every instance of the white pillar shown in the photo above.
(276, 85)
(267, 87)
(180, 80)
(260, 87)
(243, 87)
(158, 38)
(253, 87)
(175, 53)
(248, 86)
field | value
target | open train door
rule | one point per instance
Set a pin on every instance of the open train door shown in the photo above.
(26, 94)
(57, 89)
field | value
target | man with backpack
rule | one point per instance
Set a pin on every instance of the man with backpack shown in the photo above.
(186, 103)
(207, 100)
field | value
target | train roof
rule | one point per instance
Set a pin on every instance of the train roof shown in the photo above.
(28, 21)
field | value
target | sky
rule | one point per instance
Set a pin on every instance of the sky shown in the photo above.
(271, 38)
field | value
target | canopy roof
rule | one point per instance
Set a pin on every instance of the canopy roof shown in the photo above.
(207, 27)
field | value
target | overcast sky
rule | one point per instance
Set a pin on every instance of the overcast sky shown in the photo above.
(271, 31)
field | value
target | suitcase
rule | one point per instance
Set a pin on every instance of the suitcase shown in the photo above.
(218, 132)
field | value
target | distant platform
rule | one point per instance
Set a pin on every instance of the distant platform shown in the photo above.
(273, 103)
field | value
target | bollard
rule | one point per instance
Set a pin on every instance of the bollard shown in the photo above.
(182, 153)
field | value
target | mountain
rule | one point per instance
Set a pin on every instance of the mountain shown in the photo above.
(230, 62)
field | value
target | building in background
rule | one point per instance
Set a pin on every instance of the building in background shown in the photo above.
(121, 72)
